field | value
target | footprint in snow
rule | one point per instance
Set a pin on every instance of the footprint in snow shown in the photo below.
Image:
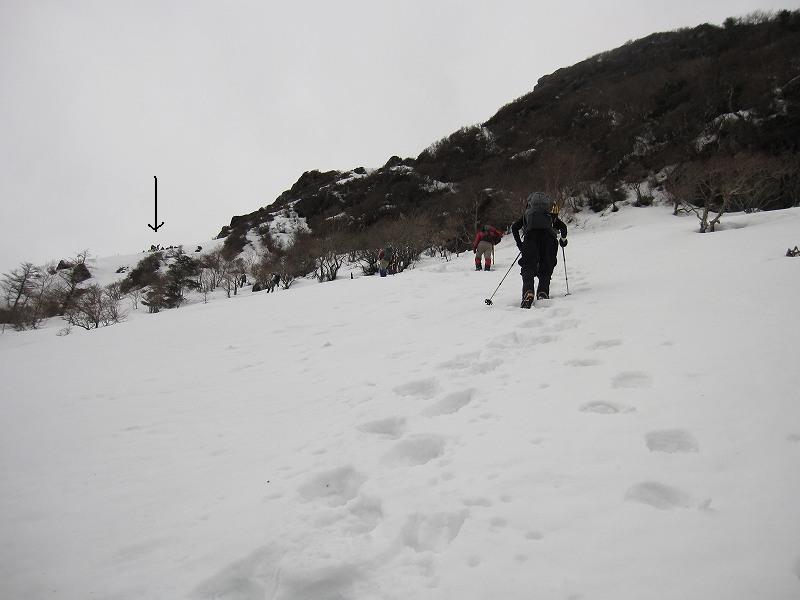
(246, 578)
(632, 380)
(461, 361)
(486, 366)
(335, 488)
(450, 404)
(530, 324)
(421, 388)
(415, 450)
(605, 408)
(362, 516)
(432, 533)
(671, 441)
(604, 344)
(583, 362)
(485, 502)
(659, 495)
(516, 339)
(390, 427)
(563, 325)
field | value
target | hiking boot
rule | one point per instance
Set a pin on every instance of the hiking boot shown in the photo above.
(542, 295)
(477, 267)
(527, 301)
(487, 268)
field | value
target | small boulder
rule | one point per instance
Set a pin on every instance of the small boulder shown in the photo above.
(80, 273)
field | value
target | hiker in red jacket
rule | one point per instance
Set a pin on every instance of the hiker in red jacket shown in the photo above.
(483, 246)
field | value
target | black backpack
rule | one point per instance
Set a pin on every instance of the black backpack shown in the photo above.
(538, 212)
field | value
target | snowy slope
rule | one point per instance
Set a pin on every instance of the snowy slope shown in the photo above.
(397, 438)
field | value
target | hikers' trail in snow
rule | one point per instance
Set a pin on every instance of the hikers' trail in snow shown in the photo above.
(396, 438)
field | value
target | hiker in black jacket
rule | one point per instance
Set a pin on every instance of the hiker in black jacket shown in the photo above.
(539, 246)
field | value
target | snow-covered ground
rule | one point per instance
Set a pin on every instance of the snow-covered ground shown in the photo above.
(398, 438)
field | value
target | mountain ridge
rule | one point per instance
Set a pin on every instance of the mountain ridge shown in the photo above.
(619, 116)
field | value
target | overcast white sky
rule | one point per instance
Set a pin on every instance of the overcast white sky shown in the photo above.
(229, 102)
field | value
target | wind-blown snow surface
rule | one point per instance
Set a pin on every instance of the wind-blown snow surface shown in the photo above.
(397, 438)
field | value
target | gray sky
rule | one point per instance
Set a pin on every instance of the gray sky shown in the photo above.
(229, 102)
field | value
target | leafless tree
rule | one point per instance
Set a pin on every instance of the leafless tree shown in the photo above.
(135, 296)
(18, 284)
(215, 265)
(70, 279)
(720, 184)
(20, 288)
(329, 255)
(96, 307)
(297, 261)
(113, 298)
(42, 296)
(207, 283)
(232, 271)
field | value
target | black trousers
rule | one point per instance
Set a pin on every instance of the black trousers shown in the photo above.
(539, 258)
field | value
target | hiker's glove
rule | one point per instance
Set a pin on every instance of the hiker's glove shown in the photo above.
(562, 242)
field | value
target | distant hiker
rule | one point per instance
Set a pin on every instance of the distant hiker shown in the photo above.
(483, 246)
(273, 282)
(385, 261)
(242, 280)
(539, 246)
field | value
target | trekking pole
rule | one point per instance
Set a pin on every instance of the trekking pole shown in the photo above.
(564, 256)
(489, 299)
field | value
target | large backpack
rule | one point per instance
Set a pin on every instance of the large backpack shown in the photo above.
(493, 235)
(537, 213)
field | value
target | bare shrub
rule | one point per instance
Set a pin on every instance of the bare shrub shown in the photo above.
(723, 183)
(232, 272)
(207, 283)
(297, 261)
(95, 307)
(214, 265)
(135, 296)
(28, 293)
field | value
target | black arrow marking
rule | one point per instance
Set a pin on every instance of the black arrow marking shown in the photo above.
(155, 220)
